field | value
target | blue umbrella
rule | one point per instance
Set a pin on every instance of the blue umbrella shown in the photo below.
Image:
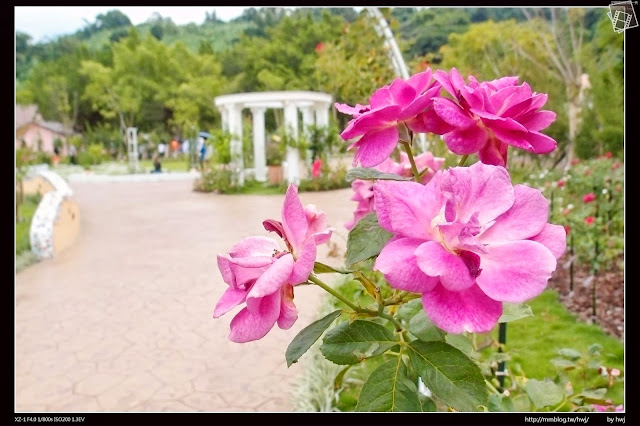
(204, 135)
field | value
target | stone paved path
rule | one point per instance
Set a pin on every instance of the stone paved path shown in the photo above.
(122, 320)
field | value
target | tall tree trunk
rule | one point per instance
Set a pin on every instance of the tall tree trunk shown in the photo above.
(575, 99)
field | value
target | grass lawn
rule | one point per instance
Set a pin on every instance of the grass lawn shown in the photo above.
(168, 164)
(27, 209)
(531, 342)
(534, 341)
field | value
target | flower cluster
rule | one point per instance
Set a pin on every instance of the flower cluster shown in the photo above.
(464, 238)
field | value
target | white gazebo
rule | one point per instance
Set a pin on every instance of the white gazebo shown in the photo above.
(315, 111)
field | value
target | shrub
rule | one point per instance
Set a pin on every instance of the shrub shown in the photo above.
(216, 180)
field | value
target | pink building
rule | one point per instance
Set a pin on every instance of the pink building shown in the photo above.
(33, 132)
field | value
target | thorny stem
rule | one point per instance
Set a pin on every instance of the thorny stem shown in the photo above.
(414, 168)
(463, 160)
(334, 293)
(358, 309)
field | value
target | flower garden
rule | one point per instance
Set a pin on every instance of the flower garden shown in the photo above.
(443, 255)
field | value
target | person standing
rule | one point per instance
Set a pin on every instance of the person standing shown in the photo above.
(72, 154)
(161, 149)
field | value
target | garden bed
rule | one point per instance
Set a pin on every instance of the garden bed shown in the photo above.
(609, 295)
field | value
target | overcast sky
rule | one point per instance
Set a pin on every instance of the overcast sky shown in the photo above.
(48, 22)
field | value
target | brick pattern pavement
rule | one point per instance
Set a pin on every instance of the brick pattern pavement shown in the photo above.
(122, 320)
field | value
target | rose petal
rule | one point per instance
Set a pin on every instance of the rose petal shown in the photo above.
(435, 261)
(371, 120)
(294, 218)
(254, 246)
(536, 121)
(304, 263)
(254, 325)
(466, 141)
(272, 279)
(420, 81)
(541, 144)
(288, 310)
(553, 237)
(479, 188)
(408, 276)
(403, 94)
(515, 271)
(404, 208)
(468, 310)
(452, 114)
(229, 300)
(526, 218)
(374, 147)
(494, 153)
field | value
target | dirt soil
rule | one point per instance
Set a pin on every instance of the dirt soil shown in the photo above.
(609, 295)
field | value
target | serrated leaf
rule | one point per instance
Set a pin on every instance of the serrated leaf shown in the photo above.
(370, 174)
(514, 311)
(308, 336)
(422, 327)
(543, 393)
(350, 343)
(366, 239)
(449, 374)
(460, 342)
(388, 389)
(321, 268)
(572, 354)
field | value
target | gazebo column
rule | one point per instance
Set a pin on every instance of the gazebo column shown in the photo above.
(259, 158)
(224, 114)
(235, 128)
(322, 116)
(308, 120)
(291, 129)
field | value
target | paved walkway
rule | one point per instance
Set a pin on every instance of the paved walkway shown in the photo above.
(122, 320)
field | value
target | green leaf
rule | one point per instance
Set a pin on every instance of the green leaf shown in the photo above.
(350, 343)
(366, 239)
(422, 327)
(389, 389)
(563, 364)
(321, 268)
(514, 311)
(500, 403)
(460, 342)
(572, 354)
(337, 382)
(429, 406)
(308, 336)
(370, 174)
(594, 396)
(409, 309)
(449, 374)
(543, 393)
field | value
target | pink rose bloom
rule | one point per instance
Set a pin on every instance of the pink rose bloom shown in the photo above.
(261, 274)
(610, 407)
(402, 102)
(468, 241)
(589, 197)
(487, 117)
(589, 220)
(363, 189)
(316, 168)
